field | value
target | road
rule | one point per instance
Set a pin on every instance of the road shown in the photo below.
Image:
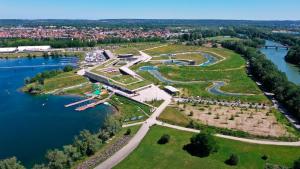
(135, 141)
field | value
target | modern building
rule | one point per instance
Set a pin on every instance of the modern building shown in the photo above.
(108, 54)
(8, 50)
(33, 48)
(171, 90)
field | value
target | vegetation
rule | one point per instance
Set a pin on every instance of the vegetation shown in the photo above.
(129, 110)
(149, 155)
(293, 55)
(11, 163)
(164, 139)
(296, 164)
(202, 145)
(267, 73)
(85, 145)
(232, 160)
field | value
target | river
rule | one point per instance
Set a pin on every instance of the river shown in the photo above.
(30, 125)
(277, 57)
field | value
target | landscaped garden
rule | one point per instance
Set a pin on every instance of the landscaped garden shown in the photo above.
(151, 155)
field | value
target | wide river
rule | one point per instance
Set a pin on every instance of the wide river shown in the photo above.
(277, 57)
(30, 125)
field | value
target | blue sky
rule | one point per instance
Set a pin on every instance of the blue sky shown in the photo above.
(151, 9)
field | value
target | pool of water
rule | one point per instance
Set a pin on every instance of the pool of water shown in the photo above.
(30, 125)
(277, 57)
(210, 59)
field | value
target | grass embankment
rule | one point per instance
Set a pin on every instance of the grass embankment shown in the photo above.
(151, 155)
(220, 39)
(129, 110)
(59, 82)
(134, 48)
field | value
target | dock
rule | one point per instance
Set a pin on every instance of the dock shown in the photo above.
(94, 104)
(79, 102)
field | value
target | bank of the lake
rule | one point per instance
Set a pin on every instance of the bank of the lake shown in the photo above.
(277, 57)
(30, 125)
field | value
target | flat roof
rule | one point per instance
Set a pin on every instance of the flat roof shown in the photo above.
(172, 89)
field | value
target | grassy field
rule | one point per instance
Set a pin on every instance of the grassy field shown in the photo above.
(231, 68)
(198, 58)
(129, 109)
(150, 155)
(134, 48)
(171, 49)
(223, 38)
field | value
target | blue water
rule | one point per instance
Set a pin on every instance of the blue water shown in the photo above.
(277, 57)
(30, 125)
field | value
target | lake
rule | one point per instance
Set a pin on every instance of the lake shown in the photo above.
(277, 57)
(30, 125)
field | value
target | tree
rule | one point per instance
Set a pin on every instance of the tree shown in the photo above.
(87, 143)
(112, 125)
(233, 160)
(103, 135)
(68, 68)
(164, 139)
(72, 153)
(11, 163)
(202, 145)
(57, 159)
(40, 166)
(128, 132)
(296, 164)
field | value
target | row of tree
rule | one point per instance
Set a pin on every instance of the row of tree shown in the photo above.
(293, 55)
(69, 43)
(267, 73)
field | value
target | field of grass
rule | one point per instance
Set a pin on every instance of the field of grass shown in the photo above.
(171, 49)
(173, 115)
(134, 48)
(125, 79)
(223, 38)
(151, 155)
(128, 108)
(198, 58)
(61, 82)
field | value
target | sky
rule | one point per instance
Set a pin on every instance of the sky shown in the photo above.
(151, 9)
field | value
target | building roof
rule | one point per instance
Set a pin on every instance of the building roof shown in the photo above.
(8, 49)
(171, 89)
(128, 71)
(109, 54)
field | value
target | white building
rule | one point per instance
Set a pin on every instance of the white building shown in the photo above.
(8, 50)
(33, 48)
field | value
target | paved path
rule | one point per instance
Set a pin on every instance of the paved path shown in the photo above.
(253, 141)
(135, 141)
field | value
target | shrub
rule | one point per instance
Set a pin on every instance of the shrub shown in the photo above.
(264, 157)
(233, 160)
(164, 139)
(296, 164)
(128, 132)
(11, 163)
(202, 145)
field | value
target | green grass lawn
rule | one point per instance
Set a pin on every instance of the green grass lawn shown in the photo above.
(223, 38)
(198, 58)
(62, 82)
(150, 155)
(128, 108)
(134, 48)
(125, 79)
